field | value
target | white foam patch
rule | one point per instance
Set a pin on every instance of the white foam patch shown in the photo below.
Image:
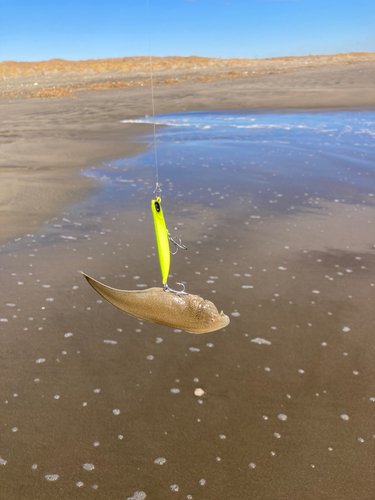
(138, 495)
(52, 477)
(160, 461)
(259, 340)
(88, 466)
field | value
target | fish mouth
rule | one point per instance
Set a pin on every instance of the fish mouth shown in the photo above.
(221, 322)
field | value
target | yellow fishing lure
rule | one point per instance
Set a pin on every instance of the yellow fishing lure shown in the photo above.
(161, 238)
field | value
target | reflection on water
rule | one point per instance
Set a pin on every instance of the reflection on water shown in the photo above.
(277, 213)
(330, 154)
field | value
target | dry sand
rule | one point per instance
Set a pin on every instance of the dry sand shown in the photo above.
(44, 140)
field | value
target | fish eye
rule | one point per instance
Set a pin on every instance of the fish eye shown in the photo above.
(157, 206)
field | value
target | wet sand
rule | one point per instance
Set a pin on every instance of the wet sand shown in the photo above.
(56, 138)
(91, 398)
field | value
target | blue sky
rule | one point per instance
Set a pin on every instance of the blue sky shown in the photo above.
(33, 30)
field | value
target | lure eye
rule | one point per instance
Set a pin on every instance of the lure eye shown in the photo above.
(157, 206)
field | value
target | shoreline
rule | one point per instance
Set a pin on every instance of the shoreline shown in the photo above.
(45, 142)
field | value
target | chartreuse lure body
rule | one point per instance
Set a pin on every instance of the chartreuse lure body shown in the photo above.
(161, 238)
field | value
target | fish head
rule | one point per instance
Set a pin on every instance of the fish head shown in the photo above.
(210, 319)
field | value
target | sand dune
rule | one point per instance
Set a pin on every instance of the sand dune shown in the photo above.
(62, 78)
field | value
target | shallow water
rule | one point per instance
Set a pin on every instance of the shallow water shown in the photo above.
(277, 211)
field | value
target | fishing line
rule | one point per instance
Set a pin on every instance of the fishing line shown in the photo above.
(157, 189)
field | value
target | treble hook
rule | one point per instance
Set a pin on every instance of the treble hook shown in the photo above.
(166, 288)
(157, 189)
(177, 243)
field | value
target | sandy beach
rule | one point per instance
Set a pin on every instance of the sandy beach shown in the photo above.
(48, 140)
(277, 215)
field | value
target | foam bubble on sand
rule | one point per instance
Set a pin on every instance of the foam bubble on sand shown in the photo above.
(116, 412)
(159, 340)
(281, 416)
(52, 477)
(160, 461)
(3, 462)
(174, 487)
(88, 466)
(175, 390)
(67, 335)
(252, 465)
(79, 484)
(346, 329)
(259, 340)
(344, 416)
(138, 495)
(202, 482)
(40, 360)
(112, 342)
(150, 357)
(235, 313)
(194, 349)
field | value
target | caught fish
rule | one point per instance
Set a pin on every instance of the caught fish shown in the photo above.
(186, 312)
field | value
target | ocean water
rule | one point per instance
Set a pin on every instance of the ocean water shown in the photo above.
(277, 211)
(327, 152)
